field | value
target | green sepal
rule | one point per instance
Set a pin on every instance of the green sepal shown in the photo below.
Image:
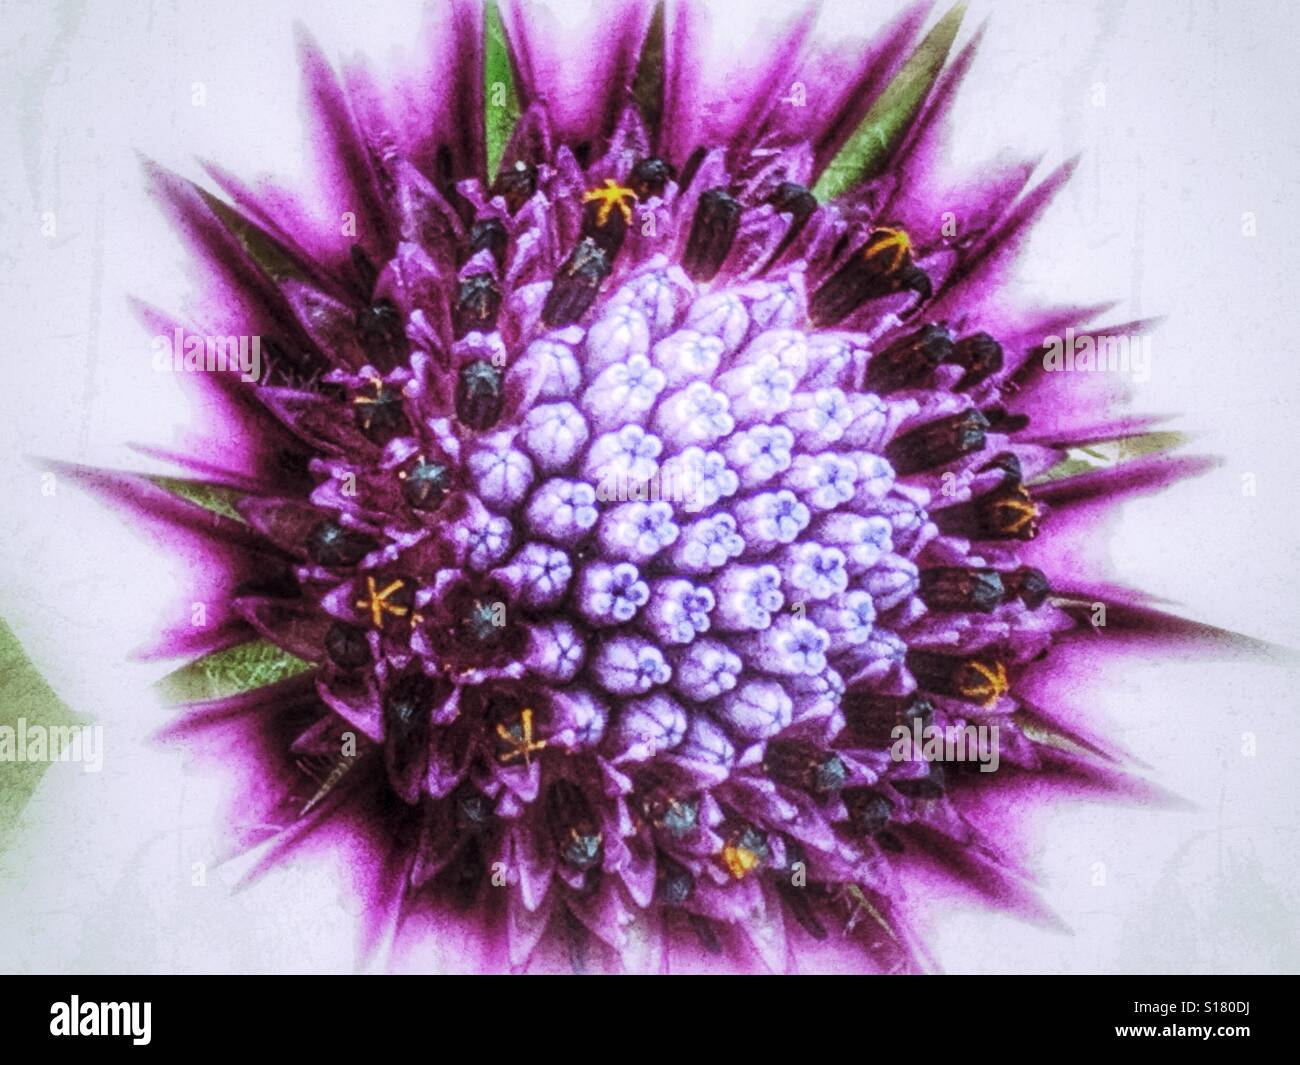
(1103, 454)
(231, 671)
(500, 97)
(214, 497)
(869, 146)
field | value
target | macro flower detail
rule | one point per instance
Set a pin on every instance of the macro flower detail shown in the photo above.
(627, 477)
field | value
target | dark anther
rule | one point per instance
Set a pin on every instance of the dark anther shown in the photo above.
(1006, 461)
(800, 204)
(478, 302)
(674, 884)
(473, 808)
(979, 355)
(407, 699)
(668, 813)
(346, 645)
(881, 267)
(487, 234)
(926, 787)
(378, 413)
(1000, 421)
(366, 272)
(606, 214)
(1006, 513)
(957, 588)
(828, 774)
(692, 167)
(382, 334)
(1029, 584)
(425, 484)
(868, 811)
(803, 765)
(330, 544)
(408, 705)
(576, 284)
(908, 361)
(475, 625)
(913, 279)
(479, 394)
(713, 231)
(938, 442)
(576, 832)
(979, 678)
(745, 850)
(650, 177)
(517, 184)
(794, 199)
(482, 623)
(872, 717)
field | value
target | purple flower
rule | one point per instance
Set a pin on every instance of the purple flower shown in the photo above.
(628, 492)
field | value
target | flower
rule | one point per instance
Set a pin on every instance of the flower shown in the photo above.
(577, 711)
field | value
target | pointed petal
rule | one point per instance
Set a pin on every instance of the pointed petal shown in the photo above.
(582, 98)
(724, 72)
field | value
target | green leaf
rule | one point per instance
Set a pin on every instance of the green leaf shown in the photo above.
(214, 497)
(1103, 454)
(24, 696)
(229, 672)
(871, 144)
(500, 100)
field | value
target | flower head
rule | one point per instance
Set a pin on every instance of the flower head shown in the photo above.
(629, 482)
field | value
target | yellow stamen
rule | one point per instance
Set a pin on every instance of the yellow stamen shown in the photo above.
(740, 861)
(370, 401)
(376, 602)
(1016, 512)
(988, 684)
(885, 240)
(611, 196)
(364, 400)
(522, 745)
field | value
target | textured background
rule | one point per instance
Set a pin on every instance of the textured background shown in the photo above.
(1197, 128)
